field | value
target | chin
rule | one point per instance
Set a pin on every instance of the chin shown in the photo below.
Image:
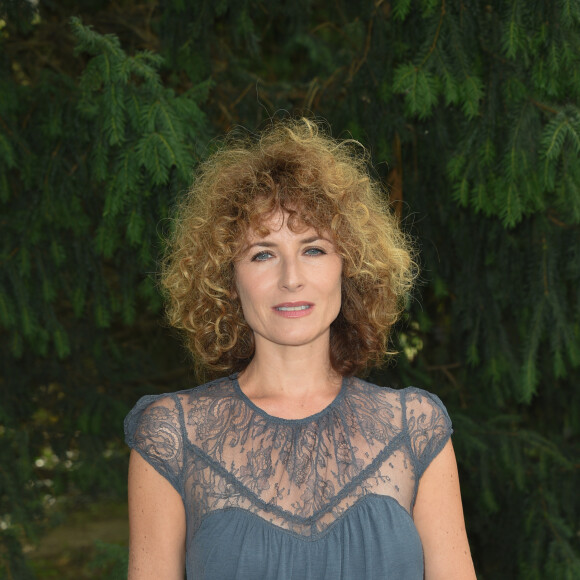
(296, 340)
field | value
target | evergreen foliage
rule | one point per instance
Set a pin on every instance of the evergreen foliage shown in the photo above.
(471, 111)
(112, 560)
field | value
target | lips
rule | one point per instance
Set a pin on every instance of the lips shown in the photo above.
(293, 306)
(293, 309)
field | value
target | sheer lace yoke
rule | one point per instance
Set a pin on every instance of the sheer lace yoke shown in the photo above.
(220, 451)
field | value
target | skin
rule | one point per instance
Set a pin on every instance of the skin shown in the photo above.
(291, 377)
(438, 516)
(283, 269)
(156, 525)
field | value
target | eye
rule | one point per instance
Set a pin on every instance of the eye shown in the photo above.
(261, 256)
(314, 251)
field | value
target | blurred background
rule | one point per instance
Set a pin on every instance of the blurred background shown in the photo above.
(470, 111)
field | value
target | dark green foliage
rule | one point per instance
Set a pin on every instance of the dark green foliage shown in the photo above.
(110, 561)
(471, 111)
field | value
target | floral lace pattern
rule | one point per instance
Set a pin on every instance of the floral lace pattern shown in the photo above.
(220, 451)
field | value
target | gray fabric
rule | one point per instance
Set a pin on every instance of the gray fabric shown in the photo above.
(325, 497)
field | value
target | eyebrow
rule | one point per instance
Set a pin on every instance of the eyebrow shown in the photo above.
(310, 240)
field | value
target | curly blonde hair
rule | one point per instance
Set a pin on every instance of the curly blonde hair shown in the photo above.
(318, 182)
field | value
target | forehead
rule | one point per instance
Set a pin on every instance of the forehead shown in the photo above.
(279, 223)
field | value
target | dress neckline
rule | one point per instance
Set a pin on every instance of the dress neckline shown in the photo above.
(247, 401)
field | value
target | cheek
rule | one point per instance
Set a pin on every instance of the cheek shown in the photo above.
(338, 295)
(334, 292)
(247, 291)
(337, 277)
(239, 290)
(247, 309)
(244, 299)
(241, 287)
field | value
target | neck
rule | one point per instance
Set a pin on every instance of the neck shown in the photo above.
(291, 373)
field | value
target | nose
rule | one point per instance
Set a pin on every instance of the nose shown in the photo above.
(291, 277)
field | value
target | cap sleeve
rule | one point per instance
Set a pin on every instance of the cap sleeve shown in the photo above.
(428, 426)
(154, 429)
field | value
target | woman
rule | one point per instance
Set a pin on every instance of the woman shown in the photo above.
(287, 271)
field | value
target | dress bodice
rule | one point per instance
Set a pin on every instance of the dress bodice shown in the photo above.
(319, 497)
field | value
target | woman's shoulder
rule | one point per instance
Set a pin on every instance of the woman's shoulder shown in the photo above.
(424, 420)
(173, 408)
(419, 415)
(410, 399)
(157, 429)
(212, 390)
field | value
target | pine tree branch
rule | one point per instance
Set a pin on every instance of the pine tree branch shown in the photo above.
(336, 28)
(445, 369)
(558, 222)
(436, 38)
(327, 83)
(241, 96)
(548, 519)
(544, 107)
(313, 87)
(365, 55)
(454, 365)
(12, 253)
(11, 134)
(395, 178)
(6, 127)
(545, 266)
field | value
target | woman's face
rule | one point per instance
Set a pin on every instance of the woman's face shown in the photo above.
(289, 285)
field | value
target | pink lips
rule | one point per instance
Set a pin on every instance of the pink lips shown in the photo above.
(293, 309)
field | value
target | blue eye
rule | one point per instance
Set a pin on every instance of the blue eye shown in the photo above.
(261, 256)
(314, 252)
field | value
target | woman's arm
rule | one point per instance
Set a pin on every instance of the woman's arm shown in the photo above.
(157, 525)
(438, 516)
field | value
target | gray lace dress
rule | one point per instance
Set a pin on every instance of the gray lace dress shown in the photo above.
(326, 497)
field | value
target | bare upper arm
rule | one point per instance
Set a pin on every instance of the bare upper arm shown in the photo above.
(157, 525)
(438, 516)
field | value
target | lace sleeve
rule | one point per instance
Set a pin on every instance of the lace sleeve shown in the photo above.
(154, 429)
(428, 426)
